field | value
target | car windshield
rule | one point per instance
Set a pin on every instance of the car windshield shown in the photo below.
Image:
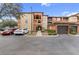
(24, 29)
(5, 30)
(18, 30)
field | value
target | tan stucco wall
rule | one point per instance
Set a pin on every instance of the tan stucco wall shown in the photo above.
(52, 27)
(25, 21)
(58, 19)
(29, 18)
(45, 20)
(78, 29)
(18, 23)
(72, 19)
(54, 19)
(78, 14)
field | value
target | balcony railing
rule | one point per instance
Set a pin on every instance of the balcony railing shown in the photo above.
(61, 21)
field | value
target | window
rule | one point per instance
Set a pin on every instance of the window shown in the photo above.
(37, 17)
(65, 18)
(39, 21)
(49, 19)
(73, 29)
(49, 23)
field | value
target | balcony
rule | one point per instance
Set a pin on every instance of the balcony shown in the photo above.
(61, 20)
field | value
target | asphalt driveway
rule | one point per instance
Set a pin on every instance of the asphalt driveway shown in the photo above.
(23, 45)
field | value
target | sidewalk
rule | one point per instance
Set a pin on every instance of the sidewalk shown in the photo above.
(50, 35)
(42, 35)
(73, 35)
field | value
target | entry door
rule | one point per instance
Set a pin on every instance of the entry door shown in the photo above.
(38, 28)
(62, 29)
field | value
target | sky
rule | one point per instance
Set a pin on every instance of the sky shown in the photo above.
(52, 9)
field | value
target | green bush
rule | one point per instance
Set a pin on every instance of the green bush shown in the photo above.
(8, 23)
(51, 32)
(73, 32)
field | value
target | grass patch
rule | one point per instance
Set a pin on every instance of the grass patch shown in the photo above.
(51, 32)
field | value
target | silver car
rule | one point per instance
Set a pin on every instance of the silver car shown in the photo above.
(20, 31)
(25, 31)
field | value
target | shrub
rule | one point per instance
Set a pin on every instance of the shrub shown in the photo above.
(8, 23)
(73, 32)
(51, 32)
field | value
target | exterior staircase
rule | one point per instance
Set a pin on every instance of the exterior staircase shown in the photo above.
(39, 33)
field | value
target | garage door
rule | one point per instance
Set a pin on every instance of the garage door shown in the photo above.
(62, 29)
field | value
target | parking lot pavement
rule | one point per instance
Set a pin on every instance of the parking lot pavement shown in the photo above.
(23, 45)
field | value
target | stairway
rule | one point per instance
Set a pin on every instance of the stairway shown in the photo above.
(39, 33)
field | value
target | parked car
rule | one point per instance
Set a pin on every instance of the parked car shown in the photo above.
(20, 31)
(12, 30)
(25, 31)
(9, 31)
(1, 30)
(6, 32)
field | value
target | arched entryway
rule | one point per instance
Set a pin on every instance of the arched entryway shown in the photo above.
(38, 28)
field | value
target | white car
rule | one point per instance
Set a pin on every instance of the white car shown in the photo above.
(19, 31)
(25, 31)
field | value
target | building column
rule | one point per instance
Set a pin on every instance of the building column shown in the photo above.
(78, 29)
(69, 29)
(56, 28)
(19, 22)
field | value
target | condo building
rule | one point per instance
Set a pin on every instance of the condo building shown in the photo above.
(35, 21)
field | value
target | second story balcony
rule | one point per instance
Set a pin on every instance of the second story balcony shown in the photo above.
(60, 19)
(72, 19)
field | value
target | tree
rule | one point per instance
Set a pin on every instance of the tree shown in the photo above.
(8, 23)
(10, 10)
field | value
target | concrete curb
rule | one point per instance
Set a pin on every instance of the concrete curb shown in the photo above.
(42, 36)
